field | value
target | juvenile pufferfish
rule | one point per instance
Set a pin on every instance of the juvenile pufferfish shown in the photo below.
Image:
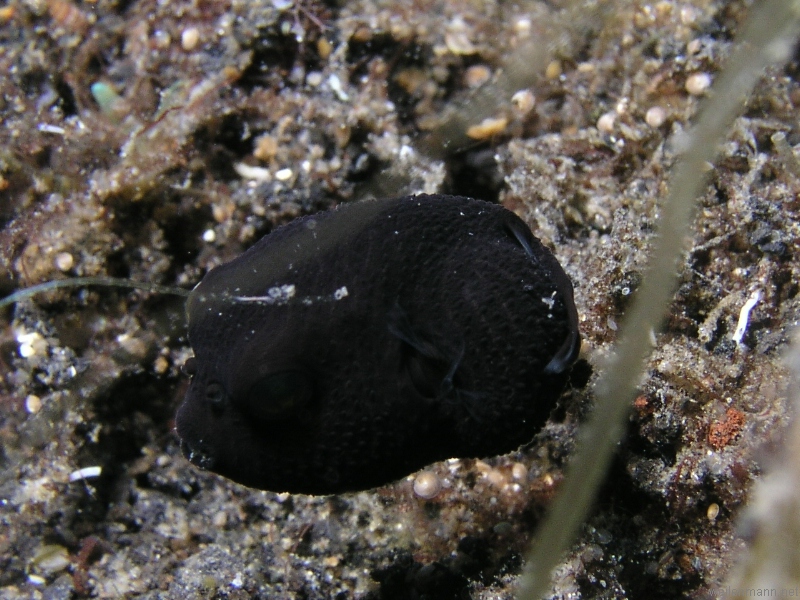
(350, 348)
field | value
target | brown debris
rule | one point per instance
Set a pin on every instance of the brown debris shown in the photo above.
(722, 432)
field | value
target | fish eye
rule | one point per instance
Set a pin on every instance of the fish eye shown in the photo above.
(215, 396)
(189, 368)
(278, 395)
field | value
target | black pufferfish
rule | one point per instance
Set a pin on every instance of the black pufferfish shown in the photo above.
(350, 348)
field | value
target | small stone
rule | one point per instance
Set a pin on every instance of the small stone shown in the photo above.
(160, 365)
(361, 35)
(477, 75)
(33, 404)
(209, 236)
(331, 561)
(663, 9)
(519, 471)
(7, 13)
(698, 83)
(219, 520)
(605, 123)
(284, 175)
(503, 528)
(324, 48)
(64, 261)
(223, 212)
(603, 536)
(459, 44)
(496, 478)
(314, 79)
(644, 17)
(253, 173)
(411, 80)
(161, 39)
(523, 101)
(31, 344)
(522, 25)
(655, 116)
(488, 128)
(689, 15)
(427, 485)
(134, 347)
(341, 135)
(266, 147)
(85, 473)
(336, 86)
(482, 467)
(51, 558)
(190, 38)
(553, 70)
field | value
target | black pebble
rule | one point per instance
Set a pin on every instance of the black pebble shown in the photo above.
(350, 348)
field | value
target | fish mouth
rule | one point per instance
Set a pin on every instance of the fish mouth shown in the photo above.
(198, 454)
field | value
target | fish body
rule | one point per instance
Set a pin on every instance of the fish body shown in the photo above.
(350, 348)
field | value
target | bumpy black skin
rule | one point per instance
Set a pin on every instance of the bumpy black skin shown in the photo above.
(454, 340)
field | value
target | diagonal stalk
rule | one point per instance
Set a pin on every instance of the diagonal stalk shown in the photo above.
(766, 38)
